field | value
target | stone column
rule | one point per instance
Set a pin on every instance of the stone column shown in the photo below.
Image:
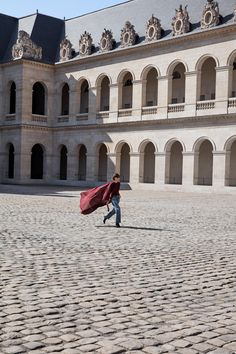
(3, 166)
(26, 94)
(191, 92)
(219, 160)
(222, 89)
(160, 160)
(163, 87)
(188, 168)
(111, 165)
(137, 99)
(113, 101)
(72, 167)
(134, 167)
(92, 105)
(22, 167)
(73, 104)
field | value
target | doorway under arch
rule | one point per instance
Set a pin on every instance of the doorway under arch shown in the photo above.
(147, 164)
(82, 163)
(174, 164)
(37, 157)
(204, 164)
(102, 163)
(63, 163)
(11, 161)
(125, 163)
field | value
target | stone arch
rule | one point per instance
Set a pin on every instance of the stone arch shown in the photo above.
(230, 163)
(103, 92)
(147, 150)
(174, 161)
(102, 161)
(176, 85)
(203, 58)
(125, 89)
(149, 79)
(173, 64)
(82, 165)
(37, 161)
(65, 99)
(146, 70)
(63, 162)
(123, 151)
(84, 87)
(101, 77)
(232, 74)
(203, 161)
(39, 98)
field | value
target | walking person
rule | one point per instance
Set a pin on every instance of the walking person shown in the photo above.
(113, 196)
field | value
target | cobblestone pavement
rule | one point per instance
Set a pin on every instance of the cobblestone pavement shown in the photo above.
(163, 283)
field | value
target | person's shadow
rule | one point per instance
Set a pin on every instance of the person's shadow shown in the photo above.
(135, 228)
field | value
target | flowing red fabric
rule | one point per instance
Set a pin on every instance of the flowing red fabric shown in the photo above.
(94, 198)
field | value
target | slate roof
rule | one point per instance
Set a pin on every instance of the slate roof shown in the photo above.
(48, 32)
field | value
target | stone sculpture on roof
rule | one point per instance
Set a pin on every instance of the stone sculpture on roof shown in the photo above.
(210, 15)
(26, 48)
(85, 44)
(128, 35)
(107, 42)
(65, 50)
(180, 22)
(153, 29)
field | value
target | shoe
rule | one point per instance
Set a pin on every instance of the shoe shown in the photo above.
(117, 225)
(104, 220)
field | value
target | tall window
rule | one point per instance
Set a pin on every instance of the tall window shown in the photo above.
(38, 99)
(65, 98)
(12, 108)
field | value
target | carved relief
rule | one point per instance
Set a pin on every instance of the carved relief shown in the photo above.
(85, 44)
(153, 29)
(211, 15)
(128, 35)
(26, 48)
(65, 50)
(180, 23)
(107, 41)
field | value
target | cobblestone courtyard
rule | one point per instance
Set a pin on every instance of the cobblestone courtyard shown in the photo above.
(163, 283)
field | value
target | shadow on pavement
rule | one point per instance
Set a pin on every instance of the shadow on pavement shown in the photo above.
(135, 228)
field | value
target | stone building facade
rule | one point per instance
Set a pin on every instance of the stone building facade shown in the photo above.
(151, 96)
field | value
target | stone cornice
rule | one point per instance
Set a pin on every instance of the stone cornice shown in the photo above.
(178, 123)
(27, 62)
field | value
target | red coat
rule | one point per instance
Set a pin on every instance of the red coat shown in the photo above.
(94, 198)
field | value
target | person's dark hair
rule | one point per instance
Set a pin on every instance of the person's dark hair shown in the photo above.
(116, 175)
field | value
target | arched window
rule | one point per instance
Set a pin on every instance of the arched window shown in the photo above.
(38, 99)
(232, 166)
(84, 97)
(127, 91)
(37, 157)
(65, 99)
(105, 94)
(12, 107)
(63, 163)
(233, 92)
(151, 88)
(208, 80)
(178, 84)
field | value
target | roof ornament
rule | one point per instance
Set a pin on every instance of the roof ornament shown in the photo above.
(107, 42)
(25, 48)
(153, 29)
(210, 15)
(128, 35)
(85, 44)
(180, 22)
(65, 50)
